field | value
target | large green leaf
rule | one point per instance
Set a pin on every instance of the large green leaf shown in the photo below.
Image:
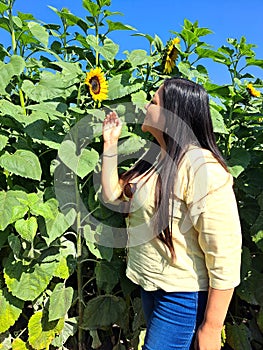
(239, 160)
(96, 343)
(139, 57)
(71, 19)
(3, 141)
(260, 319)
(71, 71)
(27, 282)
(40, 131)
(39, 32)
(109, 49)
(4, 23)
(107, 3)
(7, 71)
(41, 332)
(93, 8)
(81, 164)
(37, 207)
(10, 309)
(122, 85)
(254, 62)
(50, 86)
(131, 145)
(139, 320)
(23, 163)
(66, 259)
(139, 98)
(218, 90)
(118, 26)
(246, 262)
(9, 109)
(217, 120)
(4, 237)
(12, 207)
(69, 329)
(250, 286)
(27, 228)
(15, 244)
(107, 276)
(3, 7)
(53, 109)
(238, 336)
(60, 302)
(19, 344)
(214, 55)
(185, 69)
(100, 251)
(58, 225)
(104, 311)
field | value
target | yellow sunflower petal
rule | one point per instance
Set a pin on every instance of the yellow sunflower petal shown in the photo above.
(171, 55)
(253, 91)
(98, 86)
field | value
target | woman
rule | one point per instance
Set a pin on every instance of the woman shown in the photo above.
(184, 230)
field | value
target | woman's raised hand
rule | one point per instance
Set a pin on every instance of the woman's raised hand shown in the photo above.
(111, 127)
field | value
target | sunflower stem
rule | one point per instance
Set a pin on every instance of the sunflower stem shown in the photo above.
(79, 95)
(97, 38)
(79, 272)
(11, 25)
(22, 101)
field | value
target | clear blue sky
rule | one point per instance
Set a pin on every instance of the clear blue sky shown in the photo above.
(226, 18)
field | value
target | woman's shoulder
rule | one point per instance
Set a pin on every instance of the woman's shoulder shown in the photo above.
(195, 155)
(195, 158)
(199, 169)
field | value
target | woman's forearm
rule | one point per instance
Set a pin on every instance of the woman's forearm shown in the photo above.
(111, 189)
(217, 306)
(208, 336)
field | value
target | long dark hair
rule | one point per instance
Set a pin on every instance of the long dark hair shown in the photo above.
(187, 122)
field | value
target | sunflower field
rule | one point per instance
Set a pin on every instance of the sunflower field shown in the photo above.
(62, 266)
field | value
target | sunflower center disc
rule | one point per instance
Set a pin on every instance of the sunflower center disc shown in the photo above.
(95, 85)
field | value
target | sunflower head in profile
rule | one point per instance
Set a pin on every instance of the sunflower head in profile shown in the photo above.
(98, 87)
(170, 55)
(252, 91)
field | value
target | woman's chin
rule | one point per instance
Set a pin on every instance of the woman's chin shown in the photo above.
(144, 128)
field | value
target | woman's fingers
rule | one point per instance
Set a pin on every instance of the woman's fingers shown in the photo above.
(111, 127)
(111, 119)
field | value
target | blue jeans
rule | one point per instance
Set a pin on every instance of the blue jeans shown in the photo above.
(172, 318)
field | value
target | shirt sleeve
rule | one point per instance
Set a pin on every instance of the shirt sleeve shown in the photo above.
(214, 214)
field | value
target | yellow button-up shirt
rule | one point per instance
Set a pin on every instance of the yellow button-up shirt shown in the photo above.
(206, 230)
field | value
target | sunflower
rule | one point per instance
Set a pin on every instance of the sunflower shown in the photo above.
(253, 91)
(171, 53)
(98, 87)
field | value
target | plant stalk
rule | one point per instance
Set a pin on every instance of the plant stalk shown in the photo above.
(11, 25)
(79, 269)
(79, 282)
(22, 101)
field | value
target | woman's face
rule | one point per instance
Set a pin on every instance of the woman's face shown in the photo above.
(154, 120)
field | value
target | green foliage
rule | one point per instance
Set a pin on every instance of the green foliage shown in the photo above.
(60, 302)
(57, 279)
(42, 332)
(28, 281)
(104, 311)
(23, 163)
(10, 310)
